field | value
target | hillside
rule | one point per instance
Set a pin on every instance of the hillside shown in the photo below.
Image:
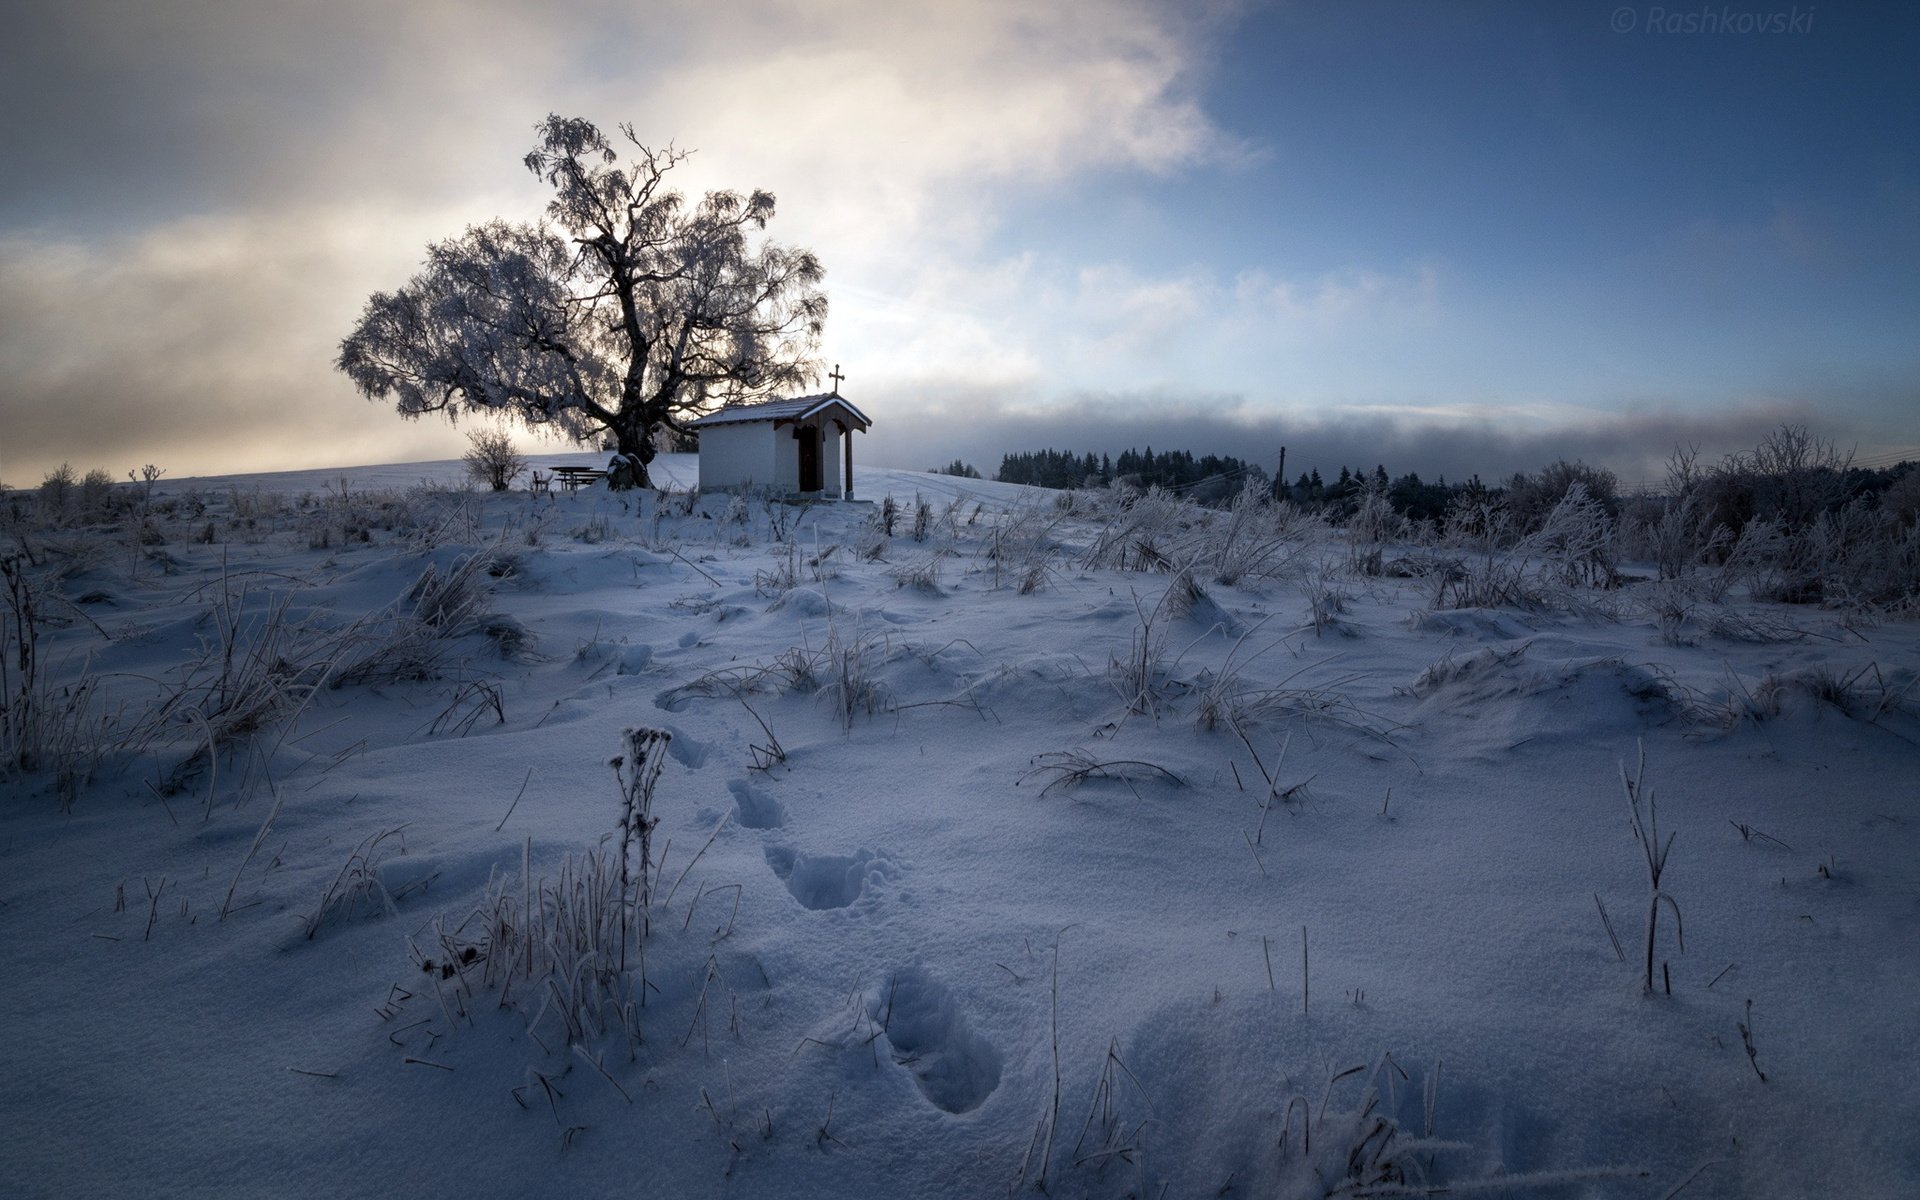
(1090, 841)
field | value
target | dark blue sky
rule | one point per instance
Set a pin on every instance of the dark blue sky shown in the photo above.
(1614, 217)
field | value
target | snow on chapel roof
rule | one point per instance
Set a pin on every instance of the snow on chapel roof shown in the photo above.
(798, 408)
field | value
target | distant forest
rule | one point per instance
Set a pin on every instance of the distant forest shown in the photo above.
(1172, 469)
(1215, 480)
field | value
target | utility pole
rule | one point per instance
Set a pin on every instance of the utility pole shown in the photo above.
(1280, 480)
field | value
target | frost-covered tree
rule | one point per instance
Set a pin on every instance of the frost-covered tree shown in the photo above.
(626, 310)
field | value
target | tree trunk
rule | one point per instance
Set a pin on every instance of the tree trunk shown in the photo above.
(634, 439)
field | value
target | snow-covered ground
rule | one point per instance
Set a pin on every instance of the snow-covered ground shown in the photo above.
(980, 865)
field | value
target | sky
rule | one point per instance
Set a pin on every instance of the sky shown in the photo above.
(1448, 238)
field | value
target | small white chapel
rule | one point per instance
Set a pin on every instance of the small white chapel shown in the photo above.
(800, 446)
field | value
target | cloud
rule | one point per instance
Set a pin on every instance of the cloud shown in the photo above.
(200, 195)
(196, 345)
(1039, 327)
(124, 111)
(883, 118)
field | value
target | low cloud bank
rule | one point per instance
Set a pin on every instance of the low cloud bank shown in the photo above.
(1635, 445)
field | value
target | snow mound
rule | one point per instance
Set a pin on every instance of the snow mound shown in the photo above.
(1504, 702)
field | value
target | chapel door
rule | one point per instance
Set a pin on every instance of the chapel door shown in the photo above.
(809, 458)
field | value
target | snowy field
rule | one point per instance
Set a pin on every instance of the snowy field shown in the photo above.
(989, 854)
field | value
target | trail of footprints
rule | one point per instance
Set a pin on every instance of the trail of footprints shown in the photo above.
(955, 1067)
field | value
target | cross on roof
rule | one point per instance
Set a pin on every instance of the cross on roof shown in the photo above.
(836, 376)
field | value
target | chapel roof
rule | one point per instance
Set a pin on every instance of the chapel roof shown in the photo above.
(798, 408)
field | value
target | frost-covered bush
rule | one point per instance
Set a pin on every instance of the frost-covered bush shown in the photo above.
(1574, 546)
(56, 493)
(1577, 538)
(1373, 519)
(922, 574)
(1147, 534)
(96, 495)
(1852, 557)
(1533, 498)
(1258, 537)
(1902, 500)
(43, 726)
(1019, 545)
(491, 459)
(1673, 534)
(922, 517)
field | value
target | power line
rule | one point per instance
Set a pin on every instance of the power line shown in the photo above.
(1888, 458)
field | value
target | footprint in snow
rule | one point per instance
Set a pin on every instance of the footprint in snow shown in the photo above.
(753, 808)
(954, 1066)
(689, 752)
(821, 881)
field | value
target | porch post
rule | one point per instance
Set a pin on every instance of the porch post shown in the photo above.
(846, 485)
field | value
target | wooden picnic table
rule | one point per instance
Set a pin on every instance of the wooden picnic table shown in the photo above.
(573, 478)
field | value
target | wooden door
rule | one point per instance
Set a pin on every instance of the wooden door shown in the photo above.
(809, 458)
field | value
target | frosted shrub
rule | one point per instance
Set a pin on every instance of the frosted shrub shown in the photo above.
(851, 685)
(922, 518)
(568, 952)
(42, 726)
(1678, 539)
(1142, 678)
(1532, 499)
(491, 459)
(1254, 538)
(670, 504)
(781, 578)
(782, 519)
(1471, 520)
(1574, 546)
(1491, 573)
(56, 494)
(1853, 557)
(1902, 500)
(96, 495)
(1578, 538)
(1325, 599)
(1147, 535)
(922, 575)
(1373, 518)
(411, 638)
(1020, 545)
(1372, 523)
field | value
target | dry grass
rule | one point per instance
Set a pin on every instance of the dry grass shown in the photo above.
(1068, 769)
(358, 885)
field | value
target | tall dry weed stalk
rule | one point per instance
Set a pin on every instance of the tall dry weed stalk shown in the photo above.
(638, 770)
(1644, 808)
